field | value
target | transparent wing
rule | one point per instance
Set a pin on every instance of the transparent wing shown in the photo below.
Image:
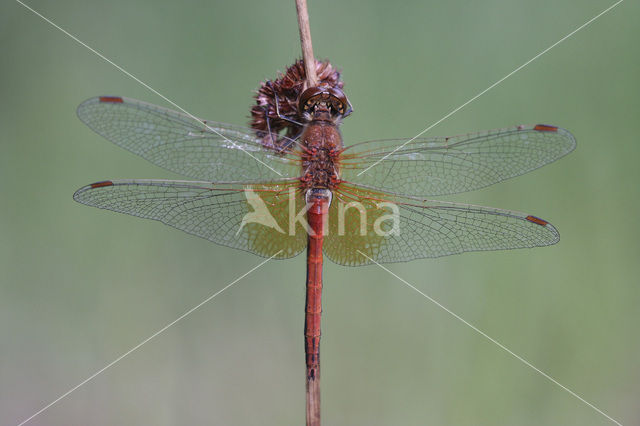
(224, 214)
(406, 228)
(441, 166)
(214, 152)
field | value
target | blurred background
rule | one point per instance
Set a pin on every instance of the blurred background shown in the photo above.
(80, 286)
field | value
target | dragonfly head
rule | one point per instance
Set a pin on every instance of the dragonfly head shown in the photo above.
(324, 103)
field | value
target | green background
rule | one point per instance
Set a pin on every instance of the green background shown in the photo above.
(81, 286)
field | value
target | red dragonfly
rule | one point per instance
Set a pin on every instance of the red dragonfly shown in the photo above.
(318, 194)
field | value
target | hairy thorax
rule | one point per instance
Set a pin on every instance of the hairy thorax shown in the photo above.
(322, 144)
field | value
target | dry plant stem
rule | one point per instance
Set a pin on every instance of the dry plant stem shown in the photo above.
(305, 41)
(313, 308)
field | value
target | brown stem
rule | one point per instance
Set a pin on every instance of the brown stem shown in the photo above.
(313, 310)
(305, 41)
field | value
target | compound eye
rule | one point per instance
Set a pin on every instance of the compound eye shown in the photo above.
(340, 103)
(336, 105)
(307, 98)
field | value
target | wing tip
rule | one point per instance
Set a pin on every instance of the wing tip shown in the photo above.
(105, 99)
(548, 226)
(101, 184)
(564, 133)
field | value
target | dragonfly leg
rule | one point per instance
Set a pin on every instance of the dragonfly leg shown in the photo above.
(282, 144)
(281, 116)
(269, 131)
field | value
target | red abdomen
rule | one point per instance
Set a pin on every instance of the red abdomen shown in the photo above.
(316, 216)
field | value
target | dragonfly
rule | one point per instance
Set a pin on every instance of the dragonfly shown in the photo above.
(359, 204)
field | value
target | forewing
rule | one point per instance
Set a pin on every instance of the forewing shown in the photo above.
(441, 166)
(418, 228)
(202, 150)
(229, 215)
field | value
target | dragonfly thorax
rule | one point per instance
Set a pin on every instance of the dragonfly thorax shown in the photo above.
(323, 143)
